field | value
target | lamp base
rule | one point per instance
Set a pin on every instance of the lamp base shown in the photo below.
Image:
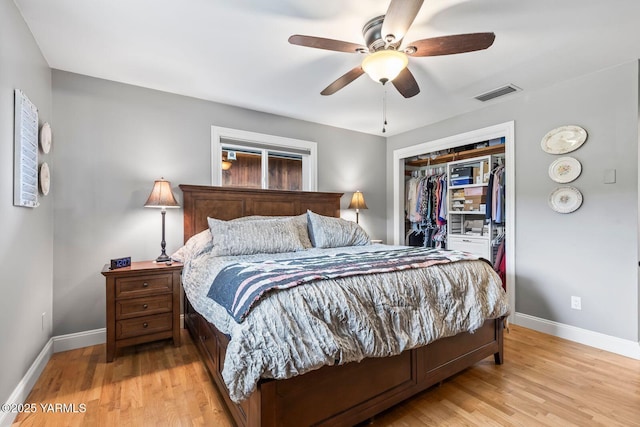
(163, 258)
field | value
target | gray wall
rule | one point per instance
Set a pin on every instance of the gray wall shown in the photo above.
(593, 252)
(26, 240)
(113, 140)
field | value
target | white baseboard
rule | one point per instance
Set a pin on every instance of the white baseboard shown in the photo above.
(86, 339)
(616, 345)
(79, 340)
(22, 390)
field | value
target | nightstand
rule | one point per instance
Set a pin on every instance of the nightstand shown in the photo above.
(143, 304)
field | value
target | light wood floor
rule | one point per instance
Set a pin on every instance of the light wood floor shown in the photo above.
(544, 381)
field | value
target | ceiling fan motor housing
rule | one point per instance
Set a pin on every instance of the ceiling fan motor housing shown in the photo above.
(372, 33)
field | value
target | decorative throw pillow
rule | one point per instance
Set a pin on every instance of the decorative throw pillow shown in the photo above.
(299, 221)
(196, 245)
(329, 232)
(253, 237)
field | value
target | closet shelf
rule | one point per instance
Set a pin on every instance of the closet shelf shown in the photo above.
(462, 155)
(454, 187)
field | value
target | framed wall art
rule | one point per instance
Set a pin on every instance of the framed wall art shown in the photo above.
(25, 166)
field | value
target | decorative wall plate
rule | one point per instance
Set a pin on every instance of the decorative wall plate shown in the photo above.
(564, 139)
(45, 178)
(565, 169)
(45, 138)
(565, 199)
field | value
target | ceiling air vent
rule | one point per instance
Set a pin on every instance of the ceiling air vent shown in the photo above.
(501, 91)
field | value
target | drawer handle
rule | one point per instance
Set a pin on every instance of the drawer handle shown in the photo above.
(465, 240)
(145, 324)
(145, 306)
(145, 285)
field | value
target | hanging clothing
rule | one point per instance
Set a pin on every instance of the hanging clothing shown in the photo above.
(495, 201)
(500, 265)
(489, 198)
(415, 238)
(412, 198)
(426, 209)
(495, 212)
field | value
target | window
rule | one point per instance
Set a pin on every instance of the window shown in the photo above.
(253, 160)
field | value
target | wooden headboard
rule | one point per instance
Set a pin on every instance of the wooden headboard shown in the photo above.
(227, 203)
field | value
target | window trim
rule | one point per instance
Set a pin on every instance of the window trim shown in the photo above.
(274, 142)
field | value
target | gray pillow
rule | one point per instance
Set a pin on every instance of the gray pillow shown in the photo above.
(330, 232)
(299, 221)
(196, 245)
(253, 237)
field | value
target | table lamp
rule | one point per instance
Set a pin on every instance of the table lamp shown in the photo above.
(357, 203)
(162, 197)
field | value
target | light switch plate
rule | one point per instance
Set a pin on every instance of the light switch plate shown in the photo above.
(610, 176)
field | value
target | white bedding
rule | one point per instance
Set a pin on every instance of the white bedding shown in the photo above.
(342, 320)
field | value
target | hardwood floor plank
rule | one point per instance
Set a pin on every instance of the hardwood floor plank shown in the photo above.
(544, 381)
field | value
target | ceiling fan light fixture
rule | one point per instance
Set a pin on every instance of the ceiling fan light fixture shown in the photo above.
(385, 65)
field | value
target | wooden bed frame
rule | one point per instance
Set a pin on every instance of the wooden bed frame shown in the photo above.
(333, 395)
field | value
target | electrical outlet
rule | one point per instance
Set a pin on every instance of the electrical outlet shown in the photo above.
(576, 303)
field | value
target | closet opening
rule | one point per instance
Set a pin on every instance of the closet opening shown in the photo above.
(454, 199)
(458, 193)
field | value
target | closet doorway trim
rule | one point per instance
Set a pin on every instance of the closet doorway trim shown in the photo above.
(505, 130)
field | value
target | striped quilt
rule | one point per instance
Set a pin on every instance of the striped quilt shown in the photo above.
(239, 286)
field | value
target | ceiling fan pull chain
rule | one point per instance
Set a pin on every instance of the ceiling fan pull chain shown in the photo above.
(384, 109)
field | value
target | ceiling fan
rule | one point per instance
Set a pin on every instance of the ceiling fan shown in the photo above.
(386, 59)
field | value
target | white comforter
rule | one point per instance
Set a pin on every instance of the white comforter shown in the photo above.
(343, 320)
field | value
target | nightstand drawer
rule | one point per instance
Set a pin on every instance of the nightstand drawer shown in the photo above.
(136, 307)
(127, 287)
(143, 325)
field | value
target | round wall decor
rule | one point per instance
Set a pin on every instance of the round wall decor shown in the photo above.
(565, 169)
(45, 178)
(563, 139)
(565, 199)
(45, 138)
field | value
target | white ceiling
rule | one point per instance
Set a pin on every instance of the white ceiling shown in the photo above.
(236, 51)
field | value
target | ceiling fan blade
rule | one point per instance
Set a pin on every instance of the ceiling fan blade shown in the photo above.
(342, 81)
(328, 44)
(447, 45)
(406, 84)
(399, 18)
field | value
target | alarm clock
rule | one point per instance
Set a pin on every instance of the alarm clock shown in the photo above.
(120, 262)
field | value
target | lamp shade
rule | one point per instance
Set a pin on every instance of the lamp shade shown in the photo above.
(161, 196)
(357, 201)
(385, 65)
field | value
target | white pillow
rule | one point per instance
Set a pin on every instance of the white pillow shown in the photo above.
(330, 232)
